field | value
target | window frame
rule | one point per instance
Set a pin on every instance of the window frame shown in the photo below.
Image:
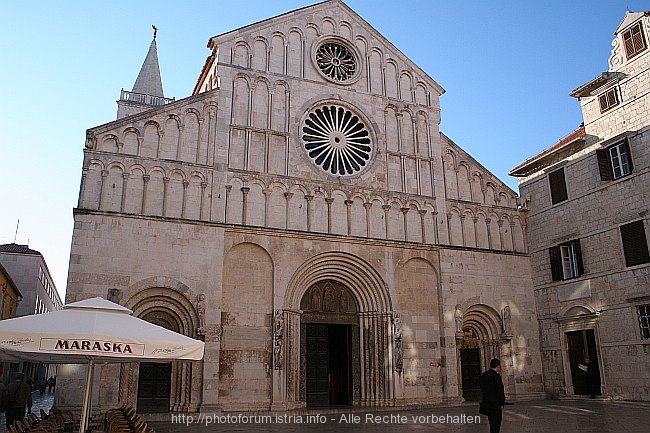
(634, 47)
(643, 315)
(566, 260)
(612, 167)
(610, 98)
(634, 243)
(557, 185)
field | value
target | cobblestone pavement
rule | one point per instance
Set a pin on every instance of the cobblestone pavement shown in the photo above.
(545, 416)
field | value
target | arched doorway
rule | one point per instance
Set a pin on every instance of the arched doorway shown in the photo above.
(329, 346)
(345, 293)
(164, 387)
(578, 326)
(155, 379)
(480, 340)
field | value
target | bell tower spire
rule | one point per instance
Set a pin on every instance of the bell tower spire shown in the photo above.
(147, 91)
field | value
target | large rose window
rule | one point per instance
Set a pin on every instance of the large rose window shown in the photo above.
(336, 139)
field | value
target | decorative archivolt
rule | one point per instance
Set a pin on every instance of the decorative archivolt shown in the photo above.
(168, 295)
(483, 322)
(363, 281)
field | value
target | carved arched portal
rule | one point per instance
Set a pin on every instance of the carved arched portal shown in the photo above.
(163, 387)
(336, 296)
(480, 341)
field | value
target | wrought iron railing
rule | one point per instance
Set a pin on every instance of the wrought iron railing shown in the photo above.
(141, 98)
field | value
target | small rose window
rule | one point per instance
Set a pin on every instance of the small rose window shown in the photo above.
(336, 61)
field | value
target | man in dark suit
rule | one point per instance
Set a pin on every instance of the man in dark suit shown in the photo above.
(493, 395)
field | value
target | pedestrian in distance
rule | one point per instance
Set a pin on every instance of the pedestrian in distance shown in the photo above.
(494, 397)
(50, 385)
(41, 386)
(17, 396)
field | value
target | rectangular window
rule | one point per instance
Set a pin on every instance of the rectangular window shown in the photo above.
(566, 260)
(634, 41)
(635, 244)
(558, 186)
(608, 100)
(615, 161)
(644, 320)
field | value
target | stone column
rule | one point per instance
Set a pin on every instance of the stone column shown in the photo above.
(329, 202)
(287, 197)
(348, 208)
(309, 198)
(367, 207)
(165, 188)
(101, 188)
(386, 209)
(145, 183)
(245, 190)
(186, 183)
(422, 213)
(125, 180)
(406, 223)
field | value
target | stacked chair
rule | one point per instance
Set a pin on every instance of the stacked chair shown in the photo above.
(55, 422)
(125, 420)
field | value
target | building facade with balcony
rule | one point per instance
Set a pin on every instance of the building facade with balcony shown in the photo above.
(587, 200)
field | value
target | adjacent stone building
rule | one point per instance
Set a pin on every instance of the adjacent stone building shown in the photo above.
(28, 269)
(34, 293)
(587, 223)
(302, 213)
(9, 299)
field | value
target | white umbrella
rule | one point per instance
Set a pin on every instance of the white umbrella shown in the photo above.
(90, 331)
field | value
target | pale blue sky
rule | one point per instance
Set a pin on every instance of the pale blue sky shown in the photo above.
(507, 67)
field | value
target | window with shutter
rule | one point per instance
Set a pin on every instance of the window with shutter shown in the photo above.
(604, 164)
(608, 100)
(556, 263)
(634, 41)
(635, 244)
(558, 186)
(615, 161)
(566, 260)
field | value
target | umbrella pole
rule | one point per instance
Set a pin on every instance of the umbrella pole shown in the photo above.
(85, 408)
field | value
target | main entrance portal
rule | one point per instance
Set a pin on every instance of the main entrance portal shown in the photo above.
(329, 346)
(329, 376)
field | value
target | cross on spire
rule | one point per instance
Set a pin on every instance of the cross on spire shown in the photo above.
(155, 31)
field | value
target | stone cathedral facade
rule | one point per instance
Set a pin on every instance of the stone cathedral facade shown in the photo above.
(302, 213)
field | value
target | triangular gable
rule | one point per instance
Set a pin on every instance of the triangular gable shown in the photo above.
(629, 19)
(304, 13)
(464, 156)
